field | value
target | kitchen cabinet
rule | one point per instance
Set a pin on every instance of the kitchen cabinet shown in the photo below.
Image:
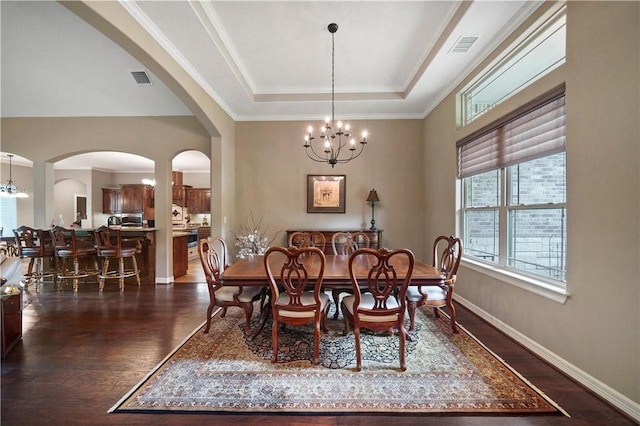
(137, 198)
(178, 189)
(198, 200)
(111, 200)
(177, 195)
(180, 254)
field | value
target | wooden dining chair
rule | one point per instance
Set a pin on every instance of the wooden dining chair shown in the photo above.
(447, 252)
(345, 243)
(301, 239)
(213, 257)
(373, 304)
(292, 303)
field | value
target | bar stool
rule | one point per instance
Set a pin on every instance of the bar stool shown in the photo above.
(68, 246)
(109, 246)
(36, 245)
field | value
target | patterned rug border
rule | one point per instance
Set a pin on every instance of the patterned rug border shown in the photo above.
(557, 410)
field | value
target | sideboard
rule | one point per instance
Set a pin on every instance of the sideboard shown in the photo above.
(375, 237)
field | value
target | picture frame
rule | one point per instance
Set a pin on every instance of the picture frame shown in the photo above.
(326, 193)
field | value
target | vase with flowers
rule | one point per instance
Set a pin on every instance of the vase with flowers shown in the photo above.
(252, 239)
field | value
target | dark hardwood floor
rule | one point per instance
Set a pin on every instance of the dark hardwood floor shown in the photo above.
(81, 353)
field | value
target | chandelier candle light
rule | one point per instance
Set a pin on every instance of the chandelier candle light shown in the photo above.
(333, 136)
(10, 189)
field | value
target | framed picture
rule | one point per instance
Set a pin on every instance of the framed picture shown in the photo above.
(326, 193)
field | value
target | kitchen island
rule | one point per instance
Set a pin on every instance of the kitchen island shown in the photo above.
(146, 259)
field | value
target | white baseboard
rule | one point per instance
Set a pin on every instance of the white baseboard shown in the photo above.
(165, 280)
(609, 394)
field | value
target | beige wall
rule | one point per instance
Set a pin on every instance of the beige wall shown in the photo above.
(272, 169)
(596, 332)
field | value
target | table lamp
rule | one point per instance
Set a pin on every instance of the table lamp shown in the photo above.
(373, 198)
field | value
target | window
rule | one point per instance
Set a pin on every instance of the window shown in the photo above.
(514, 190)
(540, 53)
(8, 217)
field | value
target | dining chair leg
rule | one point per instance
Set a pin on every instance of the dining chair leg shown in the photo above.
(316, 344)
(209, 311)
(403, 338)
(345, 318)
(411, 307)
(358, 355)
(248, 311)
(274, 338)
(335, 294)
(452, 313)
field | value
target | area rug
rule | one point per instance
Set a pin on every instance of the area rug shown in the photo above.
(224, 371)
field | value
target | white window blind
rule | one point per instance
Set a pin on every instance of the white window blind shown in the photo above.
(535, 130)
(8, 219)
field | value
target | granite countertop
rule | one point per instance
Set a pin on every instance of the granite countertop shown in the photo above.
(133, 228)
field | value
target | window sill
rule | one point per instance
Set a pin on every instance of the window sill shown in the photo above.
(532, 285)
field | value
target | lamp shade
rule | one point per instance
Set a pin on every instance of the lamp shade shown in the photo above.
(373, 196)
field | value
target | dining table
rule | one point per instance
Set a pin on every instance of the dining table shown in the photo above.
(250, 271)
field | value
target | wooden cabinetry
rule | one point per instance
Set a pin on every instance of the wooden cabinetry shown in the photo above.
(177, 195)
(180, 255)
(177, 189)
(375, 237)
(204, 232)
(10, 321)
(138, 199)
(198, 200)
(111, 200)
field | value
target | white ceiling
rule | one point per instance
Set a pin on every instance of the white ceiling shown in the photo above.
(260, 60)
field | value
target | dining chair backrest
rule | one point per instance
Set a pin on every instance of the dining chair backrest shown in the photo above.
(301, 239)
(296, 270)
(345, 243)
(213, 256)
(377, 272)
(447, 252)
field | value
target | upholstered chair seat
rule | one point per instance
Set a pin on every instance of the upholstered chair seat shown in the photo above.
(307, 299)
(366, 302)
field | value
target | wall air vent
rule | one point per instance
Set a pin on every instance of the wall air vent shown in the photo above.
(463, 44)
(141, 78)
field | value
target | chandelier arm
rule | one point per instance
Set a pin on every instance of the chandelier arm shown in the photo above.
(320, 158)
(346, 160)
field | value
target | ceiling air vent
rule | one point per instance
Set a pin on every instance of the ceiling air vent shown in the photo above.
(141, 78)
(463, 44)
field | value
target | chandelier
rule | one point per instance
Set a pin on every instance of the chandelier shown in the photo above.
(334, 137)
(10, 189)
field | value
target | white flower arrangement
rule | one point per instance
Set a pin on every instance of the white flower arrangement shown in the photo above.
(252, 239)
